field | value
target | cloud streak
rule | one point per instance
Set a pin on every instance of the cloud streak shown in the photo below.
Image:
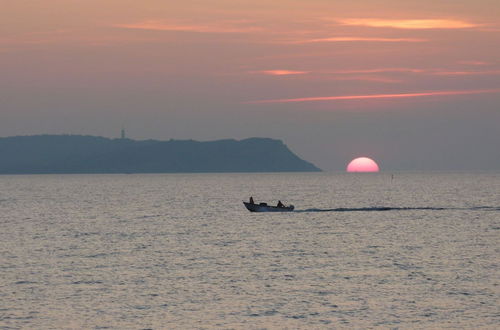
(152, 25)
(280, 72)
(473, 63)
(466, 73)
(412, 24)
(380, 70)
(357, 39)
(378, 96)
(370, 78)
(376, 74)
(435, 72)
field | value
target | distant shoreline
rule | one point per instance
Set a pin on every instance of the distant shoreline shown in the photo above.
(79, 154)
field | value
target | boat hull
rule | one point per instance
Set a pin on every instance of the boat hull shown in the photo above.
(267, 208)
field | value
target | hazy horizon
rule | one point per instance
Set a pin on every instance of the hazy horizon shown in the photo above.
(415, 86)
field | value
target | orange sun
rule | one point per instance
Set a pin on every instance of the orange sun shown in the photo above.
(362, 164)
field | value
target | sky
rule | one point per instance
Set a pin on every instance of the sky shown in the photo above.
(415, 85)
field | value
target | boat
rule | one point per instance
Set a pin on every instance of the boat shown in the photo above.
(263, 207)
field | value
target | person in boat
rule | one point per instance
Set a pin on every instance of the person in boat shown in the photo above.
(280, 204)
(251, 200)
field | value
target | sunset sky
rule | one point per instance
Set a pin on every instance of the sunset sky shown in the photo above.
(414, 85)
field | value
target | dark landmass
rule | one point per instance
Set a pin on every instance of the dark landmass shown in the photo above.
(46, 154)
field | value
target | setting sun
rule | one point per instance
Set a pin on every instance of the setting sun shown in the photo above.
(362, 164)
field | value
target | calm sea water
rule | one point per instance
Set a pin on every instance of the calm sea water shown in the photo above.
(419, 250)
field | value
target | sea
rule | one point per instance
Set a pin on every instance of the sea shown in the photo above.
(400, 250)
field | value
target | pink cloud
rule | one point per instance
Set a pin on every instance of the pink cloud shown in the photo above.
(472, 62)
(409, 23)
(435, 72)
(280, 72)
(377, 96)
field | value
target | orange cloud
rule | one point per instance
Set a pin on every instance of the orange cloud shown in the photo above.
(281, 72)
(152, 25)
(359, 39)
(377, 96)
(409, 23)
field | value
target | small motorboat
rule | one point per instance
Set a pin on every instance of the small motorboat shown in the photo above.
(263, 207)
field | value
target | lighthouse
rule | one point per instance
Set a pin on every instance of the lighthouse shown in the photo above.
(123, 133)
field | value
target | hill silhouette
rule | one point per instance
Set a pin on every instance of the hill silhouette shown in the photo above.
(90, 154)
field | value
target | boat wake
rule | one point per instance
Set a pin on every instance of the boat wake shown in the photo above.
(384, 208)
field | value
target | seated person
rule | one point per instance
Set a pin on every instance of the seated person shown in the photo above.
(280, 204)
(251, 200)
